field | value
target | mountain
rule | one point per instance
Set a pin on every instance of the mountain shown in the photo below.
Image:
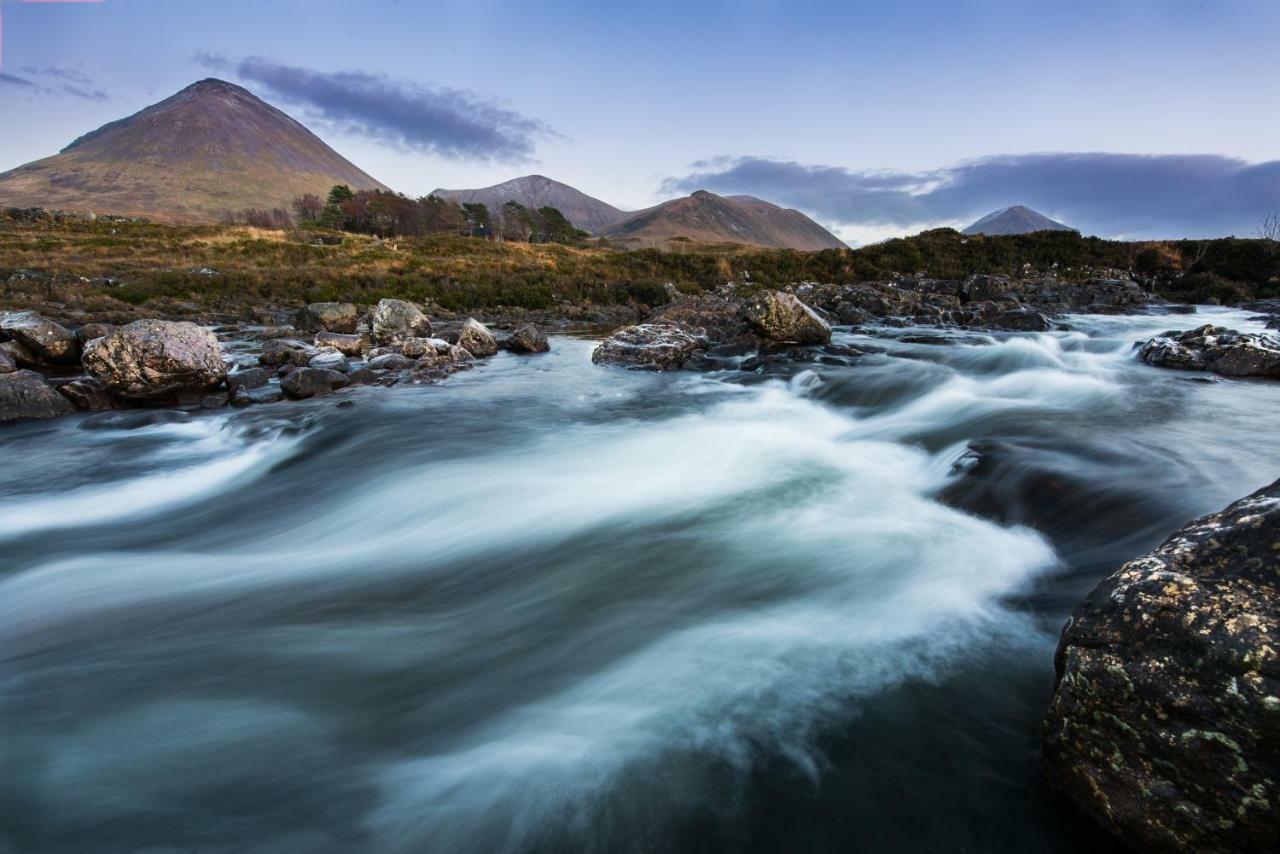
(535, 191)
(211, 149)
(1015, 220)
(707, 218)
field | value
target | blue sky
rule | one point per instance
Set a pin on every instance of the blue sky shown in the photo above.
(876, 118)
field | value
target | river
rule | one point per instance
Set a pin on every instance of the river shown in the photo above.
(550, 606)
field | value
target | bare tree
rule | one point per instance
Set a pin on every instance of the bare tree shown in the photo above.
(1269, 228)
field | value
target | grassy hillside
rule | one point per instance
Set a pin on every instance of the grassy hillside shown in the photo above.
(158, 264)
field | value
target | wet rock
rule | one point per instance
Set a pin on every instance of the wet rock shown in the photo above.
(476, 338)
(20, 354)
(90, 331)
(1165, 721)
(1217, 349)
(718, 318)
(347, 345)
(328, 317)
(527, 338)
(248, 378)
(49, 341)
(286, 351)
(311, 382)
(87, 394)
(416, 348)
(394, 320)
(389, 362)
(650, 346)
(780, 317)
(330, 359)
(134, 420)
(149, 360)
(25, 394)
(7, 363)
(1022, 320)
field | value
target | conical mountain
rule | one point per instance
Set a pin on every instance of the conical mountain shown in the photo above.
(1015, 220)
(704, 217)
(536, 191)
(212, 149)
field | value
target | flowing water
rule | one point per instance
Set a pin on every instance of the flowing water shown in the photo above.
(549, 606)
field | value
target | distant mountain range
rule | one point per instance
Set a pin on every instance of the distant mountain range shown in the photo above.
(1015, 220)
(211, 149)
(535, 191)
(704, 217)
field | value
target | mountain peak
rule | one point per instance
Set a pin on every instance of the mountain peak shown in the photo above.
(1015, 219)
(537, 191)
(704, 217)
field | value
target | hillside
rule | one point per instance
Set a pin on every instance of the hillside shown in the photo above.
(706, 218)
(1015, 220)
(211, 149)
(535, 191)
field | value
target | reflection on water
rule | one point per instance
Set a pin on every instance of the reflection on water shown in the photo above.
(552, 606)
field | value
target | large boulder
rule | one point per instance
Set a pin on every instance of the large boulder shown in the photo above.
(650, 347)
(476, 338)
(527, 338)
(149, 360)
(49, 341)
(781, 318)
(311, 382)
(328, 317)
(25, 394)
(1214, 348)
(395, 320)
(1165, 722)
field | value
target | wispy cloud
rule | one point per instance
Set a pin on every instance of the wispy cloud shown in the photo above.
(55, 81)
(7, 79)
(452, 123)
(1136, 195)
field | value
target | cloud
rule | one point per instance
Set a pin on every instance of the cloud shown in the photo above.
(451, 123)
(15, 80)
(1132, 195)
(66, 81)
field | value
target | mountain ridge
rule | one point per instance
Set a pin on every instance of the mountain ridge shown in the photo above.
(705, 217)
(1015, 219)
(535, 191)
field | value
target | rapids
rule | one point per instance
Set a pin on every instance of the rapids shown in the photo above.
(550, 606)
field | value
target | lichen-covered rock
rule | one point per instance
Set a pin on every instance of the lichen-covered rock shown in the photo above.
(286, 351)
(527, 338)
(476, 338)
(328, 317)
(395, 320)
(347, 345)
(650, 347)
(148, 360)
(311, 382)
(1215, 348)
(49, 341)
(1165, 722)
(781, 318)
(25, 394)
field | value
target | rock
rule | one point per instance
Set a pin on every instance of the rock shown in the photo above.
(286, 351)
(49, 341)
(331, 359)
(148, 360)
(476, 338)
(1022, 320)
(527, 338)
(416, 348)
(87, 395)
(395, 320)
(310, 382)
(389, 362)
(649, 346)
(90, 331)
(25, 394)
(1214, 348)
(7, 363)
(781, 318)
(1165, 721)
(19, 353)
(347, 345)
(248, 378)
(328, 317)
(134, 420)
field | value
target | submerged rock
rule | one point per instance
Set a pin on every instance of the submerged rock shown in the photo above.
(527, 338)
(153, 359)
(1165, 722)
(650, 347)
(395, 320)
(781, 318)
(25, 394)
(476, 338)
(49, 341)
(1215, 348)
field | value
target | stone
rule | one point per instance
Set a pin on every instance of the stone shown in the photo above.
(390, 362)
(328, 317)
(248, 378)
(20, 354)
(476, 338)
(49, 341)
(331, 359)
(347, 345)
(650, 347)
(90, 331)
(1217, 349)
(527, 338)
(416, 348)
(394, 320)
(286, 351)
(25, 394)
(87, 394)
(781, 318)
(7, 363)
(1165, 720)
(311, 382)
(149, 360)
(134, 420)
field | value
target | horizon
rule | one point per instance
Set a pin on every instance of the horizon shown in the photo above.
(580, 113)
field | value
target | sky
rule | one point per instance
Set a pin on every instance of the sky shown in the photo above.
(1126, 118)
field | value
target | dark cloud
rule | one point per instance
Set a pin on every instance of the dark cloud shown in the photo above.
(447, 122)
(15, 80)
(54, 81)
(1135, 195)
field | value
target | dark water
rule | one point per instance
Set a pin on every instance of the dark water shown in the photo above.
(553, 607)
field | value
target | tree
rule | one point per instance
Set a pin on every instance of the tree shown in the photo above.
(308, 207)
(477, 216)
(556, 228)
(1269, 231)
(333, 215)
